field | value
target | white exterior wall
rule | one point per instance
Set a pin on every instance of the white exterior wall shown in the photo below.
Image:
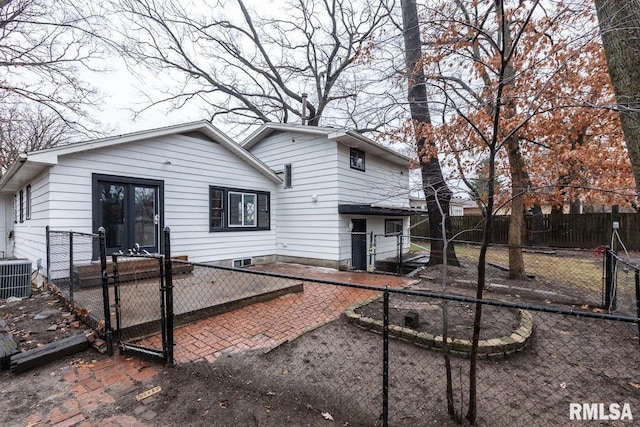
(195, 164)
(308, 220)
(321, 171)
(385, 246)
(381, 183)
(6, 221)
(29, 238)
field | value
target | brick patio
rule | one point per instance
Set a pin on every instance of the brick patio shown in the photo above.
(267, 324)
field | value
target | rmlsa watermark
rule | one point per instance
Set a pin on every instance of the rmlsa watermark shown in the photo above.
(600, 411)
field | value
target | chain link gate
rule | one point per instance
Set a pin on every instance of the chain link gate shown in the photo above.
(386, 253)
(143, 293)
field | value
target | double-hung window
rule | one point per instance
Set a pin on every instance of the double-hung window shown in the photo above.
(236, 210)
(242, 209)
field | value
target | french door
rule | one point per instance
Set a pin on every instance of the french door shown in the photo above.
(130, 210)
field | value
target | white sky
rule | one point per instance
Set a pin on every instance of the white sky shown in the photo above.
(120, 94)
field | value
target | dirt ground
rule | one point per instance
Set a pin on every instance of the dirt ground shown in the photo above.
(332, 375)
(39, 320)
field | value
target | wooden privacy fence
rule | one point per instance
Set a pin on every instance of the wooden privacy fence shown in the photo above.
(564, 231)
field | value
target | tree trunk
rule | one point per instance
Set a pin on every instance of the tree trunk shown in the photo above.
(516, 221)
(620, 28)
(436, 191)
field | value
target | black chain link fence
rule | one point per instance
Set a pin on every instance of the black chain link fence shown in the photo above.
(73, 269)
(622, 283)
(365, 349)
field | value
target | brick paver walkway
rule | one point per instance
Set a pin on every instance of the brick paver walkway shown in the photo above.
(84, 388)
(266, 324)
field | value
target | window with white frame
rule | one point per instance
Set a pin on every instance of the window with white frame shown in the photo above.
(234, 209)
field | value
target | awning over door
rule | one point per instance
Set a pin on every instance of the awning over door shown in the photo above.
(377, 210)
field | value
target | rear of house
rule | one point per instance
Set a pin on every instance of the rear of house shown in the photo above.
(288, 193)
(216, 198)
(339, 190)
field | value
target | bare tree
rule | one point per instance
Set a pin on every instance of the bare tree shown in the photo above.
(252, 66)
(436, 191)
(23, 130)
(42, 46)
(620, 29)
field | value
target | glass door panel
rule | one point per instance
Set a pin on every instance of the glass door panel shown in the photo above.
(112, 206)
(145, 211)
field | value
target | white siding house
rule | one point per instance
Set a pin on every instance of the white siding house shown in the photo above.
(340, 189)
(294, 193)
(152, 179)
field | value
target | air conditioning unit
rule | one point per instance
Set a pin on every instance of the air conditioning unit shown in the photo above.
(15, 278)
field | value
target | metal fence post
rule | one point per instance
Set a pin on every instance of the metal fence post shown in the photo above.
(385, 358)
(116, 295)
(105, 290)
(399, 245)
(610, 300)
(71, 266)
(638, 300)
(48, 239)
(168, 270)
(371, 267)
(163, 307)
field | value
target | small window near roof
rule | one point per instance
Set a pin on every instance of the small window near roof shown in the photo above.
(287, 176)
(28, 196)
(357, 159)
(21, 205)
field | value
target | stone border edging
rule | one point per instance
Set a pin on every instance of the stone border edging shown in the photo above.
(487, 349)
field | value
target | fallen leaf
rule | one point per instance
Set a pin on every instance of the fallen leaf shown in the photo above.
(327, 416)
(635, 385)
(585, 307)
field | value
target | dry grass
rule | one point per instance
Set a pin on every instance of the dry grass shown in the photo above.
(582, 269)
